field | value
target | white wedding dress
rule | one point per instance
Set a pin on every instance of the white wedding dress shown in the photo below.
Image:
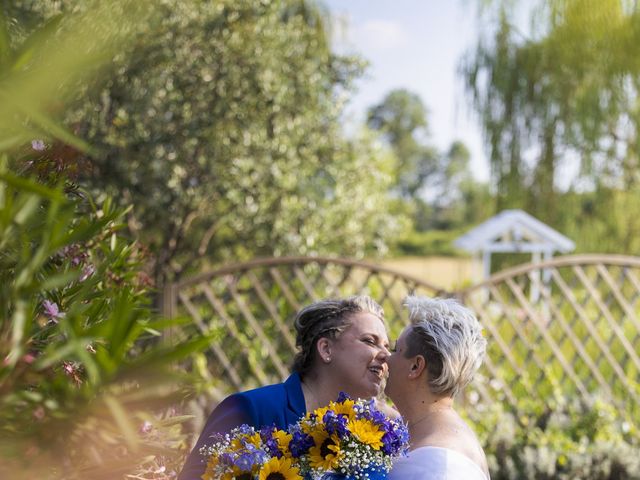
(436, 463)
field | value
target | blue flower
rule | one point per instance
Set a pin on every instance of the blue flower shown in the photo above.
(335, 423)
(342, 396)
(300, 443)
(396, 439)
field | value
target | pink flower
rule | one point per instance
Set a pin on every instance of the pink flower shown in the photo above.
(38, 145)
(52, 311)
(39, 413)
(73, 370)
(87, 271)
(146, 427)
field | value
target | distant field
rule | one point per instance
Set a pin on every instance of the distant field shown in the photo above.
(445, 272)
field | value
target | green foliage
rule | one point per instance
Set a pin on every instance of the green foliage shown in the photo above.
(432, 242)
(43, 66)
(590, 442)
(221, 129)
(401, 117)
(82, 365)
(77, 337)
(563, 94)
(437, 188)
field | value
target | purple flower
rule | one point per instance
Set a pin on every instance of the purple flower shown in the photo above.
(300, 443)
(38, 145)
(270, 443)
(226, 459)
(396, 439)
(342, 396)
(51, 311)
(250, 457)
(87, 271)
(245, 429)
(335, 424)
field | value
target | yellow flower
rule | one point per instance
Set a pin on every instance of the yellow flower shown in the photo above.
(236, 474)
(240, 442)
(325, 454)
(319, 412)
(283, 438)
(367, 432)
(279, 469)
(211, 465)
(344, 408)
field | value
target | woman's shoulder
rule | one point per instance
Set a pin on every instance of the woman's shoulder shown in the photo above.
(429, 462)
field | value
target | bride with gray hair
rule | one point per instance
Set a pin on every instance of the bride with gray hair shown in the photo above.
(435, 357)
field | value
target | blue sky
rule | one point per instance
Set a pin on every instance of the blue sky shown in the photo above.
(417, 45)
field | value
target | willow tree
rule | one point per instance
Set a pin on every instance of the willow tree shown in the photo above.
(565, 91)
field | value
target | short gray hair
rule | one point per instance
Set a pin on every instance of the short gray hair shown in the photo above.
(449, 337)
(327, 319)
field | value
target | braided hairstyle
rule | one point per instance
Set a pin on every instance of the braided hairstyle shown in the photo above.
(327, 319)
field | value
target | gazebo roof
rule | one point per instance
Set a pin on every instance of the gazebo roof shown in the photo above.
(514, 231)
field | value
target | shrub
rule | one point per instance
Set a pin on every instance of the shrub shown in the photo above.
(85, 380)
(590, 442)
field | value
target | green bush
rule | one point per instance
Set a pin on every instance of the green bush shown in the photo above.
(431, 242)
(589, 442)
(83, 369)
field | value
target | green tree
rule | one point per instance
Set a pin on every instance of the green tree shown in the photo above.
(221, 130)
(432, 183)
(401, 117)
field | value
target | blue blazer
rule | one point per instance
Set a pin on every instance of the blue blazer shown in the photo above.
(281, 405)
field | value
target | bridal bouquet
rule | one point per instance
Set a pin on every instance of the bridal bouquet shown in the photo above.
(247, 454)
(348, 439)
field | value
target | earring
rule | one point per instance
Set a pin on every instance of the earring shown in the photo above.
(327, 360)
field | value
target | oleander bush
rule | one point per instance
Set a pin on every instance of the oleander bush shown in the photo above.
(86, 383)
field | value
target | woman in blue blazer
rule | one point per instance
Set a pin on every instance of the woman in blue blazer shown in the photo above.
(342, 346)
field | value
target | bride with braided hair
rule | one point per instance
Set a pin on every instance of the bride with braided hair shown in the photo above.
(342, 347)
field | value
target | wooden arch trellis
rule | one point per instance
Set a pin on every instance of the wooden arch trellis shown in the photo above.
(577, 336)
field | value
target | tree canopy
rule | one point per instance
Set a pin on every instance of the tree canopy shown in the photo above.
(562, 95)
(221, 129)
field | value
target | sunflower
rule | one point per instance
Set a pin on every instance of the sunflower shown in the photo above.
(279, 469)
(344, 408)
(209, 473)
(240, 442)
(367, 432)
(325, 454)
(283, 438)
(236, 474)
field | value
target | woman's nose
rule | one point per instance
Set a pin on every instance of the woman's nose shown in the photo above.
(384, 352)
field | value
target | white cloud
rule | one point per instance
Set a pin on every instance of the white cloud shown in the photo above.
(380, 35)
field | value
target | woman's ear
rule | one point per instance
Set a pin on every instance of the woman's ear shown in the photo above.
(323, 347)
(418, 365)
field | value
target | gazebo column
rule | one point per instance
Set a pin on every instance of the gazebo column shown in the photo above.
(534, 277)
(546, 274)
(486, 264)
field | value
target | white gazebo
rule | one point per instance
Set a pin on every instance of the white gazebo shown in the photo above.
(513, 231)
